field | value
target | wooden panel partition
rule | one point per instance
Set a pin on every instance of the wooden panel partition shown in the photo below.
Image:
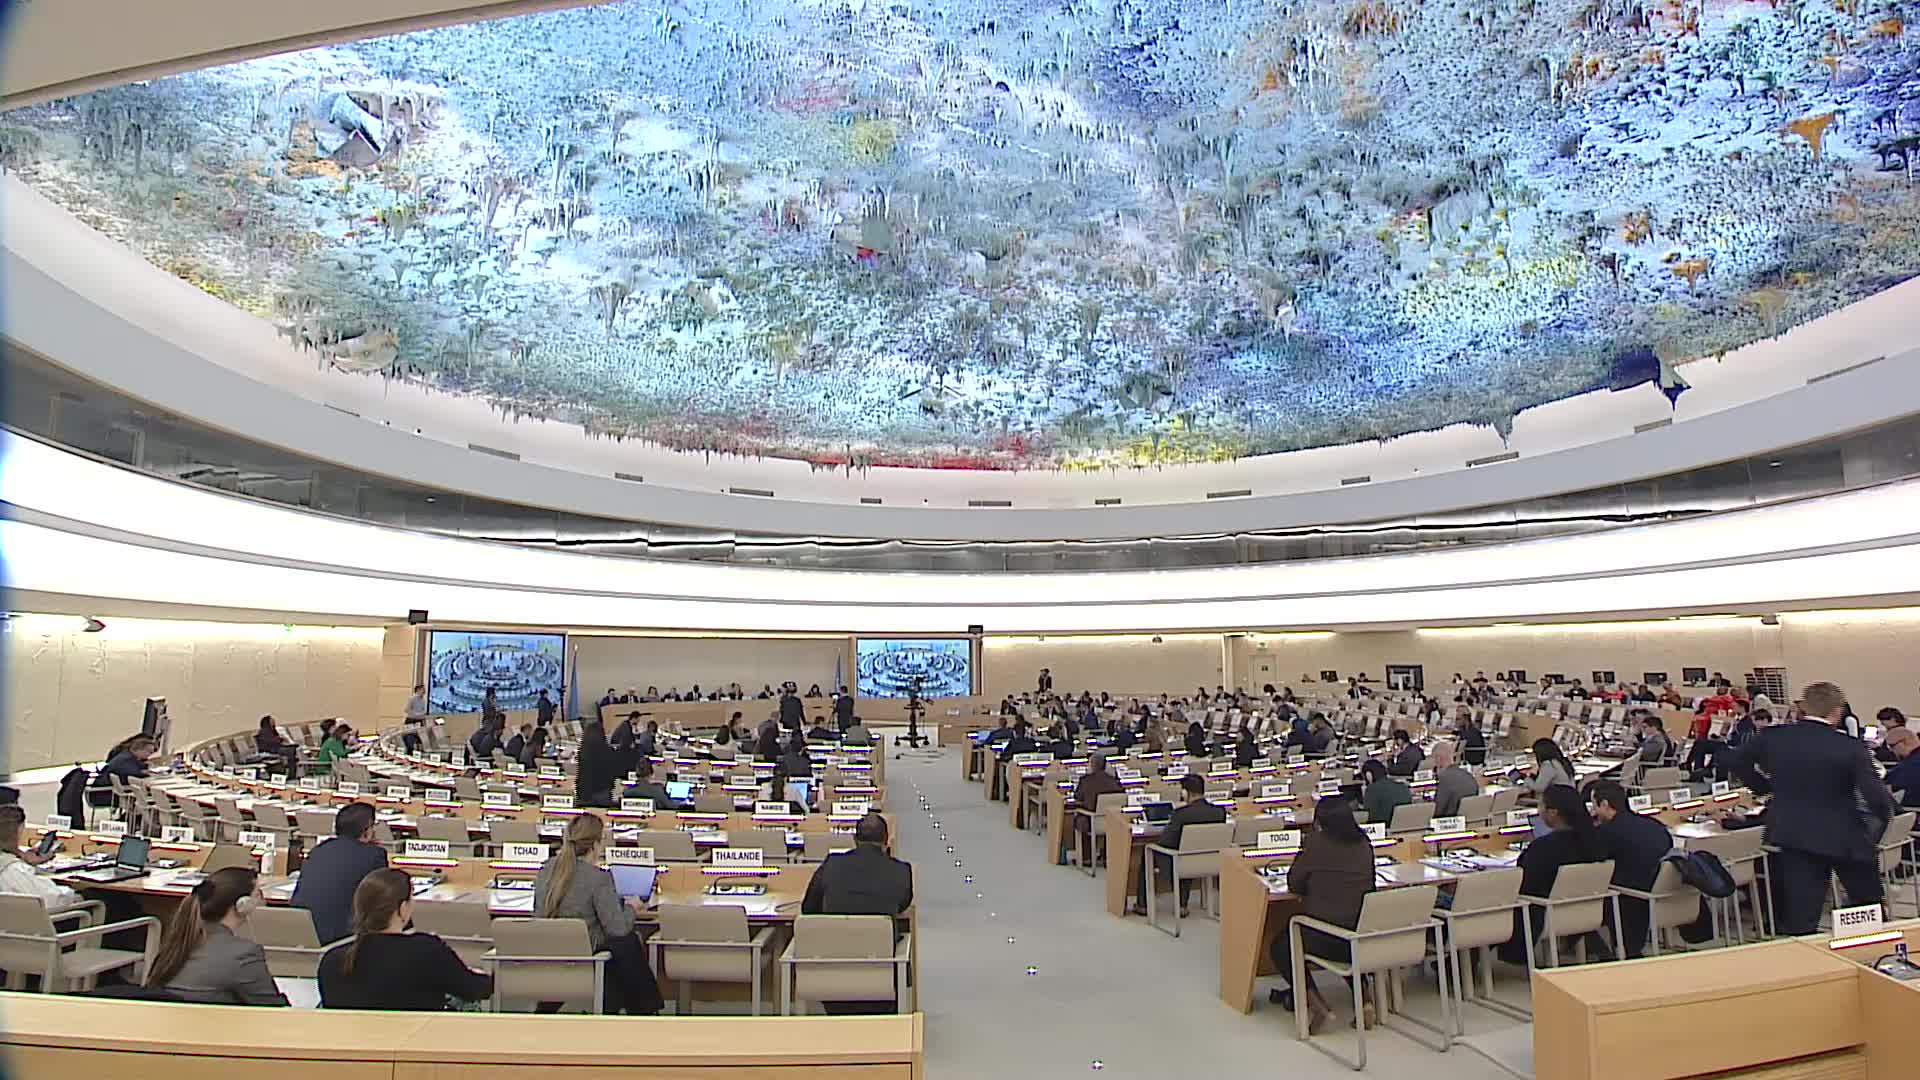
(52, 1038)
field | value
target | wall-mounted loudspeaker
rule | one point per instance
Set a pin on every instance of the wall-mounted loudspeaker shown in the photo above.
(416, 616)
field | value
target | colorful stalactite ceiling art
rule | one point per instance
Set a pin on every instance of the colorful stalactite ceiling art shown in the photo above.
(1019, 234)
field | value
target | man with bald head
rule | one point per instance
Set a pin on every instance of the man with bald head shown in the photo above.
(1904, 775)
(1086, 795)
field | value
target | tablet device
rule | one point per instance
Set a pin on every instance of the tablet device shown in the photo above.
(679, 791)
(634, 881)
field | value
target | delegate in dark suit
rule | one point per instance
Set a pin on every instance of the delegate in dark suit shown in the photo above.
(1086, 796)
(792, 712)
(1817, 776)
(1197, 811)
(1636, 843)
(327, 880)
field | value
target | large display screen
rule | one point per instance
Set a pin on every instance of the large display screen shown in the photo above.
(463, 665)
(890, 667)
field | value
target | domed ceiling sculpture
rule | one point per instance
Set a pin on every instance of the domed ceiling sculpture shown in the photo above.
(1018, 234)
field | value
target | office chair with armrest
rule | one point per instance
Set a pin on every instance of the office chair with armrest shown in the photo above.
(1480, 919)
(1391, 935)
(286, 934)
(1196, 859)
(1575, 906)
(710, 943)
(466, 927)
(546, 960)
(66, 960)
(846, 958)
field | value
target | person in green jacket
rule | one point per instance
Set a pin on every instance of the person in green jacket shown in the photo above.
(1382, 792)
(333, 748)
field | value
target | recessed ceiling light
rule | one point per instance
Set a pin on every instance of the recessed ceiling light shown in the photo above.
(1773, 464)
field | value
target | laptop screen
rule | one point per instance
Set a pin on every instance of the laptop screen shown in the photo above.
(634, 881)
(679, 790)
(133, 852)
(1159, 811)
(797, 790)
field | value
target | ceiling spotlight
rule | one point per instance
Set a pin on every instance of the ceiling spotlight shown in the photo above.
(94, 625)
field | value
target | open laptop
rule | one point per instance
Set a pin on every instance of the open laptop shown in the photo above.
(128, 863)
(634, 881)
(797, 791)
(1157, 813)
(680, 791)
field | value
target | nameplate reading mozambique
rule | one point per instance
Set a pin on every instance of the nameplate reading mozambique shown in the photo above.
(556, 802)
(637, 806)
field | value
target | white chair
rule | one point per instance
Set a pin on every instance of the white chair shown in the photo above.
(1741, 851)
(1196, 859)
(709, 943)
(466, 927)
(66, 960)
(451, 829)
(539, 960)
(1411, 817)
(287, 936)
(819, 845)
(846, 958)
(1576, 905)
(269, 818)
(1480, 919)
(1671, 903)
(1391, 934)
(1893, 850)
(1477, 809)
(669, 845)
(772, 843)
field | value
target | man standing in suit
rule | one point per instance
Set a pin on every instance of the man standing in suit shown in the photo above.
(843, 710)
(792, 713)
(333, 871)
(1636, 843)
(864, 881)
(1045, 683)
(1819, 777)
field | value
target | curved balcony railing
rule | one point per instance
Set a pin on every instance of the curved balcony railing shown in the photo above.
(50, 403)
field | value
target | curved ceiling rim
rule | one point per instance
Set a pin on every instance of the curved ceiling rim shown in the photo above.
(79, 333)
(83, 528)
(60, 483)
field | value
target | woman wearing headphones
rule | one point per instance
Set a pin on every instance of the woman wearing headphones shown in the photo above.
(202, 956)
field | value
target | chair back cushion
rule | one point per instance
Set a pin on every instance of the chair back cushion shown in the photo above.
(851, 937)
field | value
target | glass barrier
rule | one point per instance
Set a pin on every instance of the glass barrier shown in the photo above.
(50, 403)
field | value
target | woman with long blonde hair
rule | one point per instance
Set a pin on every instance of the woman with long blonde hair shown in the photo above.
(572, 885)
(388, 966)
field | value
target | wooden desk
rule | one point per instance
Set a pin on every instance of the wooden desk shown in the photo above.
(52, 1037)
(1687, 1015)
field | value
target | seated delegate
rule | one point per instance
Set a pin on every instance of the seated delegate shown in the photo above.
(864, 881)
(1572, 839)
(333, 871)
(1194, 809)
(1407, 756)
(204, 956)
(571, 885)
(1383, 793)
(1636, 843)
(16, 866)
(1332, 875)
(1451, 783)
(386, 966)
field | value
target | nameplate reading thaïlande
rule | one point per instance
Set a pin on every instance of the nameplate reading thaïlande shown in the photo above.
(429, 849)
(256, 839)
(1279, 838)
(770, 809)
(1455, 823)
(637, 806)
(1519, 817)
(176, 834)
(1864, 919)
(1640, 804)
(524, 853)
(399, 791)
(629, 856)
(556, 802)
(348, 788)
(497, 800)
(739, 857)
(1376, 830)
(1422, 776)
(60, 822)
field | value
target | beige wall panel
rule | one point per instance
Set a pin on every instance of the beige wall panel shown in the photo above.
(1120, 663)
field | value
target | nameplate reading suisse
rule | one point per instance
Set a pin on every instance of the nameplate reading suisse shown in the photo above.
(524, 853)
(429, 849)
(556, 802)
(738, 857)
(629, 856)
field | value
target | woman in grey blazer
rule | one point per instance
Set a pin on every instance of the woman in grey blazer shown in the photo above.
(203, 959)
(572, 886)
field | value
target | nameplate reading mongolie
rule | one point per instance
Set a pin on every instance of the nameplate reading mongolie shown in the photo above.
(556, 802)
(497, 800)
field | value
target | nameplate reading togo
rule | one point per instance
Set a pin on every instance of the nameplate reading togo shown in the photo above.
(1456, 823)
(556, 802)
(256, 839)
(738, 857)
(629, 856)
(1279, 838)
(497, 800)
(637, 806)
(429, 849)
(348, 788)
(1640, 804)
